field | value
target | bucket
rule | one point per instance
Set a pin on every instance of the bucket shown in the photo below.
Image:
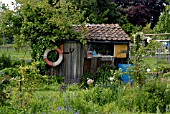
(127, 78)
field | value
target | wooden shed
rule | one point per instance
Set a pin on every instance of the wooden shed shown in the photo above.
(106, 43)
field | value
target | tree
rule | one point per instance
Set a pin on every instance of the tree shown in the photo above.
(5, 23)
(163, 25)
(104, 12)
(141, 12)
(147, 29)
(138, 15)
(41, 26)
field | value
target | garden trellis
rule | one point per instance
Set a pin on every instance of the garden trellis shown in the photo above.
(162, 53)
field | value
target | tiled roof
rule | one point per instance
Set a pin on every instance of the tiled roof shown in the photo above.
(109, 32)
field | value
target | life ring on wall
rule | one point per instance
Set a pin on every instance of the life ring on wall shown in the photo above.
(53, 64)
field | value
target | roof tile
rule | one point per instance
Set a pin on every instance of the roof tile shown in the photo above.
(110, 32)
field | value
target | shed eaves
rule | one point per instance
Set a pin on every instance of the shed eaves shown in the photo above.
(110, 32)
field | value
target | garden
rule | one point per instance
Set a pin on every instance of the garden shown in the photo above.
(25, 86)
(25, 90)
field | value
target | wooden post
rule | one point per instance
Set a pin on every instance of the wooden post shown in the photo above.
(93, 64)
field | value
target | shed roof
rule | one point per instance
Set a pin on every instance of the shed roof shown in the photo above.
(105, 32)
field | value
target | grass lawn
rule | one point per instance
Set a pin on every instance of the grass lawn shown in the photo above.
(153, 62)
(22, 53)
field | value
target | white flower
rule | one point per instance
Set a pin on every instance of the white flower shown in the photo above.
(148, 70)
(12, 78)
(90, 81)
(149, 39)
(111, 78)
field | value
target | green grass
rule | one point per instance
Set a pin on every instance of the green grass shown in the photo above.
(154, 62)
(22, 53)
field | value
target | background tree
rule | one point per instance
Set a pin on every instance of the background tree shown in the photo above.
(138, 15)
(5, 23)
(141, 12)
(163, 25)
(104, 12)
(99, 11)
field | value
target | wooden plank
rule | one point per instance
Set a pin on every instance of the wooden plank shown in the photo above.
(74, 61)
(159, 34)
(93, 65)
(120, 50)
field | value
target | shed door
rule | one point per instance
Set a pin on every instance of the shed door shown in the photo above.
(120, 50)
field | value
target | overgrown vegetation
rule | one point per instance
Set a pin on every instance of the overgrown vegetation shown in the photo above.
(24, 87)
(25, 90)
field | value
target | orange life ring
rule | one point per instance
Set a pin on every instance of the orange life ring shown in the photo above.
(53, 64)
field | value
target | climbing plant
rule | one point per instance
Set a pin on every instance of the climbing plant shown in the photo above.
(142, 50)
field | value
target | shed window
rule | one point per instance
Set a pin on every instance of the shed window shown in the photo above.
(103, 49)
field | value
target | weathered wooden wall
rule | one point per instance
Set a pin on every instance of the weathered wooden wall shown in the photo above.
(73, 62)
(56, 71)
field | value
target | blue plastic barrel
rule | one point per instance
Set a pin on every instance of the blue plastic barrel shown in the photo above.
(127, 78)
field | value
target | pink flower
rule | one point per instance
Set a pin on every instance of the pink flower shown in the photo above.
(90, 81)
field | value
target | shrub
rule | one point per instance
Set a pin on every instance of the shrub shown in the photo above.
(157, 93)
(101, 76)
(150, 98)
(167, 75)
(6, 61)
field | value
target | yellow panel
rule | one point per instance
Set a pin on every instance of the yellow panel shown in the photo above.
(118, 49)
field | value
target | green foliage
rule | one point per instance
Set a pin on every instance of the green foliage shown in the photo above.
(130, 28)
(147, 29)
(167, 75)
(97, 12)
(3, 95)
(157, 95)
(16, 53)
(40, 25)
(163, 24)
(101, 76)
(151, 98)
(140, 52)
(6, 62)
(12, 72)
(51, 79)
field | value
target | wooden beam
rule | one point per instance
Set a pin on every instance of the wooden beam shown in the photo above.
(159, 34)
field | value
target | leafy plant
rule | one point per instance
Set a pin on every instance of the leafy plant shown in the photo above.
(6, 62)
(101, 76)
(140, 52)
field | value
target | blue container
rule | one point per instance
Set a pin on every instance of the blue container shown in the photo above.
(127, 78)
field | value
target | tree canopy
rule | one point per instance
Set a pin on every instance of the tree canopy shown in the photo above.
(141, 12)
(163, 25)
(103, 11)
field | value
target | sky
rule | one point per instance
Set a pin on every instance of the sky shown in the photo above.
(8, 2)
